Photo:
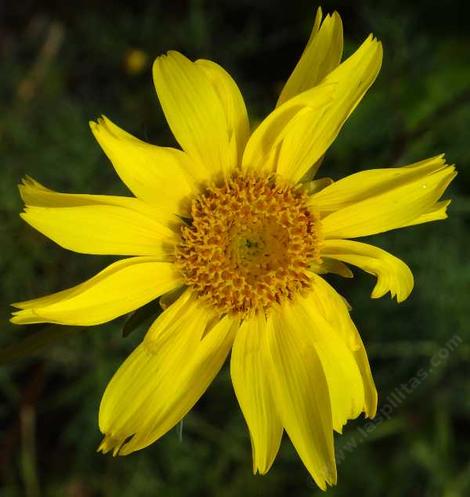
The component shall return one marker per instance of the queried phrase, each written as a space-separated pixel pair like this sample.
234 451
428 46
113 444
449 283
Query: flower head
234 231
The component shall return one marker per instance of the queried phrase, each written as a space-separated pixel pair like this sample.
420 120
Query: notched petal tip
114 445
100 122
104 122
28 181
14 319
30 190
330 478
105 446
24 316
393 275
401 292
373 43
175 53
98 128
100 125
168 56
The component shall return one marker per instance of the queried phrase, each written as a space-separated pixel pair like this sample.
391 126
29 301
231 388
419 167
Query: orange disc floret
249 244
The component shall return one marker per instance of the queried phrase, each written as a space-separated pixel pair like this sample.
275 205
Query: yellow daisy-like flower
234 233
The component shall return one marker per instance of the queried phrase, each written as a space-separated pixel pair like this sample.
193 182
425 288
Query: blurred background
64 63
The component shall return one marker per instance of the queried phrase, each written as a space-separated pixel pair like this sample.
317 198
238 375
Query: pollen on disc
249 244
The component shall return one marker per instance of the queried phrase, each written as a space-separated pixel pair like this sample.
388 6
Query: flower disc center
249 245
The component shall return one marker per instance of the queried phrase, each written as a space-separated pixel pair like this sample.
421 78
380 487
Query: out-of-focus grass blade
179 430
34 342
140 316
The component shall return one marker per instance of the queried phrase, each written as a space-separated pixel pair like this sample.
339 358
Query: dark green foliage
64 63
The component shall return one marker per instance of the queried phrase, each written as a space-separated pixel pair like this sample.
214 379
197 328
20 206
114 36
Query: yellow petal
120 288
102 229
371 183
393 275
321 55
262 150
316 185
332 266
370 392
37 195
232 101
334 310
310 133
333 307
339 365
393 208
301 392
195 113
437 212
164 377
251 378
160 176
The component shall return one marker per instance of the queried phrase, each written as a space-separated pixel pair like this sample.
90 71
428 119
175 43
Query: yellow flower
233 232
